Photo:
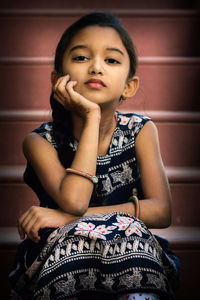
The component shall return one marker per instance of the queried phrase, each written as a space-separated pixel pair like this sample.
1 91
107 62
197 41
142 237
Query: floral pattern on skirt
105 254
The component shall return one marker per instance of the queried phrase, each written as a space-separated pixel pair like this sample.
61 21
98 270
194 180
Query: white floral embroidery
124 120
88 281
66 287
45 294
129 226
89 230
123 176
115 142
129 120
108 282
48 137
157 281
135 192
121 139
107 185
74 145
130 280
125 140
136 119
130 124
48 127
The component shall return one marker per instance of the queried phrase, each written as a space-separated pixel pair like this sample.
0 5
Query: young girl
89 166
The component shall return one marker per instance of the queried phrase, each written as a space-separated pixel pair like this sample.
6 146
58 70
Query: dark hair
62 123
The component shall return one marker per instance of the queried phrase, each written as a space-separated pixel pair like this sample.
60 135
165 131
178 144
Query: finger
70 89
61 92
56 84
20 227
60 85
70 84
27 221
33 231
59 98
63 101
21 232
60 79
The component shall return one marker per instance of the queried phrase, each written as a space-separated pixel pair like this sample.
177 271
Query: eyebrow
115 49
78 47
85 47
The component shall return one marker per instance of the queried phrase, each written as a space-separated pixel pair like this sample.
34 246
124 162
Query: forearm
86 155
125 207
150 212
76 189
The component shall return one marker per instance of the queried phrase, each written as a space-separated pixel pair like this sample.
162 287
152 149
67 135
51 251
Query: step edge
174 234
14 174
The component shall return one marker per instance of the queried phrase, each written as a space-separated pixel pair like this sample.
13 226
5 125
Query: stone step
167 31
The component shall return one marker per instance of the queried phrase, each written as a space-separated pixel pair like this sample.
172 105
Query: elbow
165 217
74 207
165 222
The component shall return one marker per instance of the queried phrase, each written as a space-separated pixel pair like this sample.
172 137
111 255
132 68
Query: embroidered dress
102 255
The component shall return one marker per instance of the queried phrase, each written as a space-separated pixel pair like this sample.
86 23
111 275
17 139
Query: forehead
99 37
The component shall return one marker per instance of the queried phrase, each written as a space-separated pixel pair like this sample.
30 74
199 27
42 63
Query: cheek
74 74
121 83
70 69
78 88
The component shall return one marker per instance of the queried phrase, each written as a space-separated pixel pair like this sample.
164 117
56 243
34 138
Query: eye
80 58
112 61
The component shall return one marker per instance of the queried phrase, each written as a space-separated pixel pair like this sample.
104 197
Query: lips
95 83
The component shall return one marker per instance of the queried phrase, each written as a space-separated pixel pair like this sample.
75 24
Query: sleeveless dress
101 255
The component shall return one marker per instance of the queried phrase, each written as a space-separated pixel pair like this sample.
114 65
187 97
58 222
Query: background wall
166 34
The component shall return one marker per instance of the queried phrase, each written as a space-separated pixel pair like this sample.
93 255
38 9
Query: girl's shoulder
132 122
45 130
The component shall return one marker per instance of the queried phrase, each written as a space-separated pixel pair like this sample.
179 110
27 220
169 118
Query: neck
107 126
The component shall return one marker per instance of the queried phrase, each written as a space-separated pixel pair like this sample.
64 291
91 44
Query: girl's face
97 59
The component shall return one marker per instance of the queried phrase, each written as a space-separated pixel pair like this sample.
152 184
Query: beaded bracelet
92 178
135 200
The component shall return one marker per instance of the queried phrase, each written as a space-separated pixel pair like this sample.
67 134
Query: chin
94 96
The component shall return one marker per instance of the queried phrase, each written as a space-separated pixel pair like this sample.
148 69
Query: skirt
101 255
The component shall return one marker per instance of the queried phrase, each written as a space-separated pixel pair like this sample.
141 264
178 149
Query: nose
95 67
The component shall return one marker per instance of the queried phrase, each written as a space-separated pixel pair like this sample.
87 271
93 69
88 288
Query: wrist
94 114
67 217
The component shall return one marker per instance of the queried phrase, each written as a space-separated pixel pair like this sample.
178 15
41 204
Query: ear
131 87
54 77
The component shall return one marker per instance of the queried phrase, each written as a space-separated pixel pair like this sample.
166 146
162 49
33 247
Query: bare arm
71 192
155 209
